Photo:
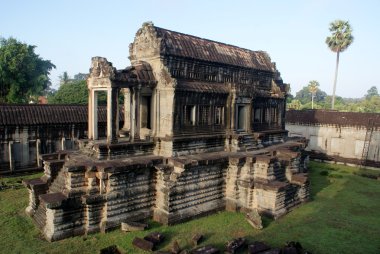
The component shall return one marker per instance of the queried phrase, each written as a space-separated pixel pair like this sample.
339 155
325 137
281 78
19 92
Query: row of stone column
132 123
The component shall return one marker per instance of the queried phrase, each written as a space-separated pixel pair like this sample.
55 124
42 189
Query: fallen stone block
155 238
235 245
196 239
113 249
206 250
257 247
254 219
133 226
143 244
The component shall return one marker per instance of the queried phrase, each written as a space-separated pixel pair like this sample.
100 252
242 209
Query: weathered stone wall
339 135
79 194
185 191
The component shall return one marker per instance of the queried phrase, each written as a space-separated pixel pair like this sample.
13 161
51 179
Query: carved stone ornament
101 68
275 90
146 42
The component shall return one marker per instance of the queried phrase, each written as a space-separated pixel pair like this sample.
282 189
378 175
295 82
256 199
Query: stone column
10 156
127 113
94 115
138 121
90 116
38 151
132 115
63 141
112 115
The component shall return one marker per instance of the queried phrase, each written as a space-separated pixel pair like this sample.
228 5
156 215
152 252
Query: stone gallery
203 132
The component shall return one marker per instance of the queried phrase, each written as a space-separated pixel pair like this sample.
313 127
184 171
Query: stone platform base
81 194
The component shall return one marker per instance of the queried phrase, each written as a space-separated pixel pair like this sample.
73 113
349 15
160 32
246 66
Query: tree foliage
23 73
304 95
370 103
372 92
71 93
341 38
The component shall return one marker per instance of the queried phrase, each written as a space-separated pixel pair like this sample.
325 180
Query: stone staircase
40 216
59 184
248 142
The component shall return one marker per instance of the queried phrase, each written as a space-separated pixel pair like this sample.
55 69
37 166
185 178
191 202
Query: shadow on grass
319 181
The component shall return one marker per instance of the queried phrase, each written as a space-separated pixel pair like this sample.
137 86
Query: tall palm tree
340 39
313 88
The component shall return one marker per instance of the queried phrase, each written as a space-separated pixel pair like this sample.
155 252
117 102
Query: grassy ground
341 217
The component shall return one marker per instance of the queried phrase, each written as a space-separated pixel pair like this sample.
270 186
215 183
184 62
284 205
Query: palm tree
313 88
340 39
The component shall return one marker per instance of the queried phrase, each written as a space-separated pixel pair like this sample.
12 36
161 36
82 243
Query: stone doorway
241 117
146 121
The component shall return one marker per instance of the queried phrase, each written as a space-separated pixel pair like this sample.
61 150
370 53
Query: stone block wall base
231 205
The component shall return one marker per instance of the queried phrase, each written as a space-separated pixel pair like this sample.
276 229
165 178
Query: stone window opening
146 111
241 117
257 115
204 115
218 115
189 114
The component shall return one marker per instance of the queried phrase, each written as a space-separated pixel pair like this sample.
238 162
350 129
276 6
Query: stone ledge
53 200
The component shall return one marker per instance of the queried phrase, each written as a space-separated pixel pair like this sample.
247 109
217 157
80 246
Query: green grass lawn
343 216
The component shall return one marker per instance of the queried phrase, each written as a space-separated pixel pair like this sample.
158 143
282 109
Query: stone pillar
63 141
94 115
112 115
90 116
127 113
132 116
10 156
38 152
138 114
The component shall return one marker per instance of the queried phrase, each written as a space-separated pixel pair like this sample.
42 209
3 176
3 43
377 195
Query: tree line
311 97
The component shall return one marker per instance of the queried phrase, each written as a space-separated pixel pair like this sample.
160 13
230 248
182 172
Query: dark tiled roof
34 114
317 117
139 72
184 45
203 87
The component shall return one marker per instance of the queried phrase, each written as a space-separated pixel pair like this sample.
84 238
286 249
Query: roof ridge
214 41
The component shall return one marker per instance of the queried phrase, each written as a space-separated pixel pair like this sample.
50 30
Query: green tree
295 104
23 73
372 92
71 93
313 89
304 95
64 78
340 39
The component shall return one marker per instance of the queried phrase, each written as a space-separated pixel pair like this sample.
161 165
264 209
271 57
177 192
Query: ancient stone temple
203 131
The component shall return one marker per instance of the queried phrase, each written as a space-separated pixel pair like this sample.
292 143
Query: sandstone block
133 226
254 219
143 244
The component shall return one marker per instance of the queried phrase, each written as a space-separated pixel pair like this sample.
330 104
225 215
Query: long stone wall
338 136
27 131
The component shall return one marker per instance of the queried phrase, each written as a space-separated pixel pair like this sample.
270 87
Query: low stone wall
338 136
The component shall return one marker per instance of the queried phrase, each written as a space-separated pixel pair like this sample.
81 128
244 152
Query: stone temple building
203 131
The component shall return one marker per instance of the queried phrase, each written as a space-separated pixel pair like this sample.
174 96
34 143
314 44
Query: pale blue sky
70 32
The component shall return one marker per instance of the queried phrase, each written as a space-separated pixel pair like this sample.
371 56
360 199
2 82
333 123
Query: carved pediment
146 43
101 68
